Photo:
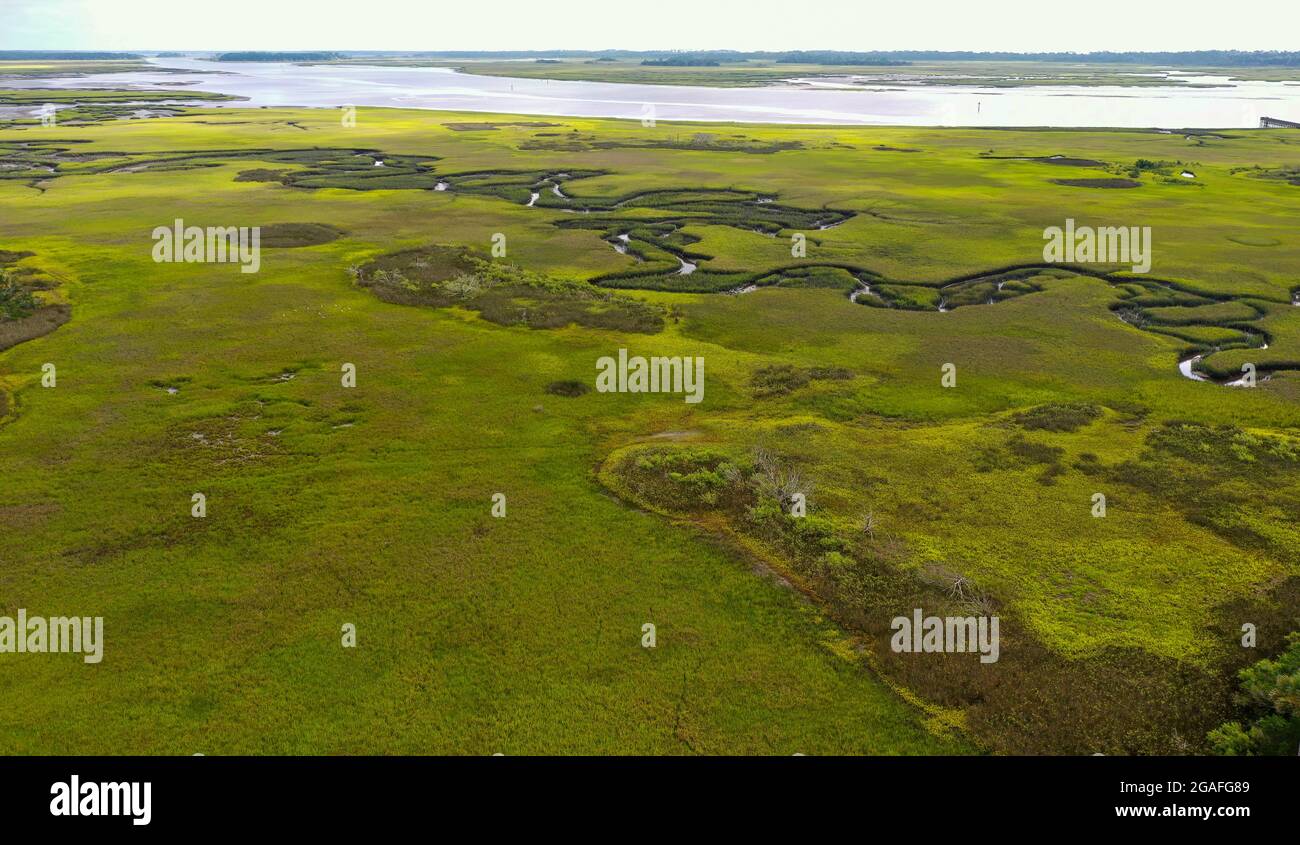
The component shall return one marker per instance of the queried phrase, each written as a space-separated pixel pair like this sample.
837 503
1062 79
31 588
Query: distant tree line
71 55
837 57
1189 58
1185 58
681 61
257 56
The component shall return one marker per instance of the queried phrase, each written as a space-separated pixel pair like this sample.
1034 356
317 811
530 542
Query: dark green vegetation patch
494 125
16 301
23 314
1287 173
1097 183
568 388
781 379
1064 161
443 276
1057 417
290 235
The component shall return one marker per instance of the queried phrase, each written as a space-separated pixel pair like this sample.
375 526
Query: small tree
16 302
1270 697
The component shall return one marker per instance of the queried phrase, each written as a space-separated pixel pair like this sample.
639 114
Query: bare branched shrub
891 548
959 588
777 481
868 521
1133 316
1181 745
981 604
464 286
393 278
937 575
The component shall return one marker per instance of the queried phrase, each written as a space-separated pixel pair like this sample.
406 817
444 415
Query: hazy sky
1022 25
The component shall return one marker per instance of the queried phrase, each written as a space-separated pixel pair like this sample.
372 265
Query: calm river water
826 101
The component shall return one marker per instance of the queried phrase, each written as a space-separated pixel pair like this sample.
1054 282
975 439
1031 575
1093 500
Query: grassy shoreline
757 73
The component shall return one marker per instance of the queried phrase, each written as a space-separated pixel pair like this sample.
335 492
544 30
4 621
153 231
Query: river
822 101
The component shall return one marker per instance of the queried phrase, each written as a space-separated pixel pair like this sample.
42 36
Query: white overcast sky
1020 25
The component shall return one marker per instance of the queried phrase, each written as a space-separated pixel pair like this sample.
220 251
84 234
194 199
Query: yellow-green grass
39 68
371 505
